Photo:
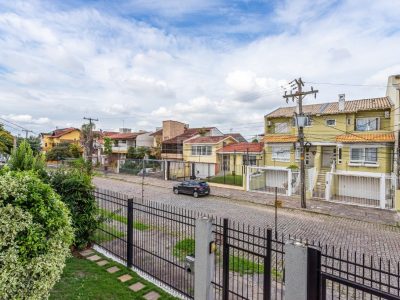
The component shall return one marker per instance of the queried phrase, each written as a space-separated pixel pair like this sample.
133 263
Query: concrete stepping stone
125 277
94 258
151 296
112 269
137 286
86 252
102 262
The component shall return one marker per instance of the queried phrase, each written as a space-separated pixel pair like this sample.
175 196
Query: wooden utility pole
90 137
300 118
26 132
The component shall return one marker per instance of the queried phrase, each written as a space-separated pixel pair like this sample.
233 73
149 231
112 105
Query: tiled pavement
354 228
134 287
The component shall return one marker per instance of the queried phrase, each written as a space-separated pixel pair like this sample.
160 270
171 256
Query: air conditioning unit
387 114
269 123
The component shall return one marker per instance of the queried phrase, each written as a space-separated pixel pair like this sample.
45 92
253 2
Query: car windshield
203 183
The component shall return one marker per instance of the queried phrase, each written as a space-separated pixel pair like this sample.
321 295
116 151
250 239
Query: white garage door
359 187
204 170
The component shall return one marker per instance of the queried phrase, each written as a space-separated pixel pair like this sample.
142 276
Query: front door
328 156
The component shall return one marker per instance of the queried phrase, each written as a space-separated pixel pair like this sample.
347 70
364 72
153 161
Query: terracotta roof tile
280 138
60 132
333 107
365 137
158 132
206 139
123 136
190 132
242 148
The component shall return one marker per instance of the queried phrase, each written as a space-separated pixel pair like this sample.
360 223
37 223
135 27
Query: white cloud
88 61
27 119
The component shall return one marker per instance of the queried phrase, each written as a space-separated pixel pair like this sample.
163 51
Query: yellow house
349 149
66 135
235 157
202 152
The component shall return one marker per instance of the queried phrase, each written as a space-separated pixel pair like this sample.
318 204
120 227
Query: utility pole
90 136
297 86
26 132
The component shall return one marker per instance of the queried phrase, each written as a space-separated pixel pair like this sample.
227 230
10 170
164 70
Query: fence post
129 244
225 262
302 272
313 273
168 172
204 266
295 271
267 267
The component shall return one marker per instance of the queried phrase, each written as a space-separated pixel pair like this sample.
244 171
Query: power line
349 84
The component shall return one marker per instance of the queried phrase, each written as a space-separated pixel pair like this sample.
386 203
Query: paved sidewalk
354 212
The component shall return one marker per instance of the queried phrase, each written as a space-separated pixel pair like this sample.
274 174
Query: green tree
137 152
23 159
33 141
6 141
59 152
254 141
74 150
108 146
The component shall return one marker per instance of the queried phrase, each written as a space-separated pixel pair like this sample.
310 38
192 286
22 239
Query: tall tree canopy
6 141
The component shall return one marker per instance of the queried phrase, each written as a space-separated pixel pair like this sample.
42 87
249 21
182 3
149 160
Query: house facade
202 153
65 135
349 149
235 157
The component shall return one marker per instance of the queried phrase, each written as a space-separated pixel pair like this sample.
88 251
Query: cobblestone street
356 235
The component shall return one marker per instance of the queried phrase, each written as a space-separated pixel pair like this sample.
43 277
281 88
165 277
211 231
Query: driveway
356 235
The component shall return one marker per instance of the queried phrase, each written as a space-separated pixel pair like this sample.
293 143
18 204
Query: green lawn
115 216
83 279
183 248
101 236
229 179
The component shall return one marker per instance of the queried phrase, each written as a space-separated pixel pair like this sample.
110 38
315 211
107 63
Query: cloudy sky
205 62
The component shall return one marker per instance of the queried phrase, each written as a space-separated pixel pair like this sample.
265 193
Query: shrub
35 235
76 191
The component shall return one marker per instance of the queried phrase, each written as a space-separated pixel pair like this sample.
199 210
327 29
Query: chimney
342 100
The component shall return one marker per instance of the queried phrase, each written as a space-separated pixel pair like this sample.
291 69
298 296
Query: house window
348 121
331 122
367 124
281 153
249 160
308 121
339 155
364 155
201 150
281 128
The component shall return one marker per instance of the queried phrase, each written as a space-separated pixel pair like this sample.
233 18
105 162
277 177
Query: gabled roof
190 132
124 136
237 137
280 138
366 137
156 133
350 106
208 139
60 132
242 148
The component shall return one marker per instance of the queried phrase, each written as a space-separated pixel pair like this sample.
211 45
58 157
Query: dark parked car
192 187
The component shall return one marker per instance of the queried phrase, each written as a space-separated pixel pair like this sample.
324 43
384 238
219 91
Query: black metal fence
249 262
143 167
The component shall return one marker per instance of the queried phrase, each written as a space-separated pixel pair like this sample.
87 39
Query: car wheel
196 194
176 192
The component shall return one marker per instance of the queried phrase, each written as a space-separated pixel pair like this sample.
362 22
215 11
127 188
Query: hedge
76 191
35 235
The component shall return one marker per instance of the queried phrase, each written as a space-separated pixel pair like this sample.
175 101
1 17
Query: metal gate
151 237
249 264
